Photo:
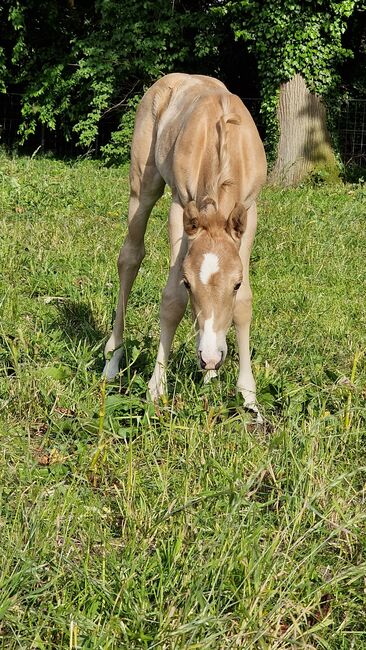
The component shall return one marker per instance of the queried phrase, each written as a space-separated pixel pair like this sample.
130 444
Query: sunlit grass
179 528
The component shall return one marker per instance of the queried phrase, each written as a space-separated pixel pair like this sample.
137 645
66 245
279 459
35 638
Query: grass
179 528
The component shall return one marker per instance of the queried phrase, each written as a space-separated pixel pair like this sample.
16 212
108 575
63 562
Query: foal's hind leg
145 191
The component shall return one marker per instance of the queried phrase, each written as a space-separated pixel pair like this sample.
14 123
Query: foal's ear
236 222
191 219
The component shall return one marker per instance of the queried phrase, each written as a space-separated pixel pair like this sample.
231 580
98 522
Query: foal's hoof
152 395
155 392
111 368
258 422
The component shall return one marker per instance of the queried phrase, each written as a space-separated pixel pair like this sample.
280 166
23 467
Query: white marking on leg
250 402
111 368
209 266
158 382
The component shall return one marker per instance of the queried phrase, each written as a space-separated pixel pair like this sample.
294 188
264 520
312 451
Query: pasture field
180 527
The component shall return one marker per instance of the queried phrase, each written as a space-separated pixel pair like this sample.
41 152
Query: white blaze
212 344
208 343
209 266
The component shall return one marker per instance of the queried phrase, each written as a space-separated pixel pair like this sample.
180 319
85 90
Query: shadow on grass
77 321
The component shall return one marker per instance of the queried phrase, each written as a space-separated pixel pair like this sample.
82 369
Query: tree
304 142
75 61
298 42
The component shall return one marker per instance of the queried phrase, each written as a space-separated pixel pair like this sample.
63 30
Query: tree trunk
304 144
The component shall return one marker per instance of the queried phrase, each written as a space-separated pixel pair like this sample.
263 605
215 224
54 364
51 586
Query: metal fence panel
352 132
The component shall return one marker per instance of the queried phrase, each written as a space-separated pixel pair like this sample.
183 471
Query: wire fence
350 135
352 132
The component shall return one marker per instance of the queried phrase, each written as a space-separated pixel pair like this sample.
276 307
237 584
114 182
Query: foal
194 135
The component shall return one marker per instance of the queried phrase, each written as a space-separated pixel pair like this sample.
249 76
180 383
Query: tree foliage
74 60
292 37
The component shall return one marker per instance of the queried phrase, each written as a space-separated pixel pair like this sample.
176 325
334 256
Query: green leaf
60 373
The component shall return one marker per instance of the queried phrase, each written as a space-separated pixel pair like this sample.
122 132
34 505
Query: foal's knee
243 310
173 304
131 255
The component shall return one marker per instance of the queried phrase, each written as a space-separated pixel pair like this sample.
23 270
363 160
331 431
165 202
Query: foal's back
203 140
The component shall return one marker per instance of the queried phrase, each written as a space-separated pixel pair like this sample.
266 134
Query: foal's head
212 273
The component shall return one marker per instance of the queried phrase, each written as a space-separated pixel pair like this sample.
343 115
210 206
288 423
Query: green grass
180 528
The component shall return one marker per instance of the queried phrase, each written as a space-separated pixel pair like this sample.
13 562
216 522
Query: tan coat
194 135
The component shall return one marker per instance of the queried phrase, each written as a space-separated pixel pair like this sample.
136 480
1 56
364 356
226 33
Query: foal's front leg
246 383
174 300
242 319
142 200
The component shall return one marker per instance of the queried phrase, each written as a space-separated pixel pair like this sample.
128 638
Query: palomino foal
194 135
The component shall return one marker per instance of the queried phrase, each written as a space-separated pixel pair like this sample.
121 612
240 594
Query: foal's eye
237 286
186 284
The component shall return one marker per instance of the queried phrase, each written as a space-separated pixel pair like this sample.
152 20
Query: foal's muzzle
210 364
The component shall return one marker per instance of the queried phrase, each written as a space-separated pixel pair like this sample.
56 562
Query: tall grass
129 527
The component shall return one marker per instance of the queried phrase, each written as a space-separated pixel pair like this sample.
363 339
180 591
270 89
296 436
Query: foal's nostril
209 364
219 363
